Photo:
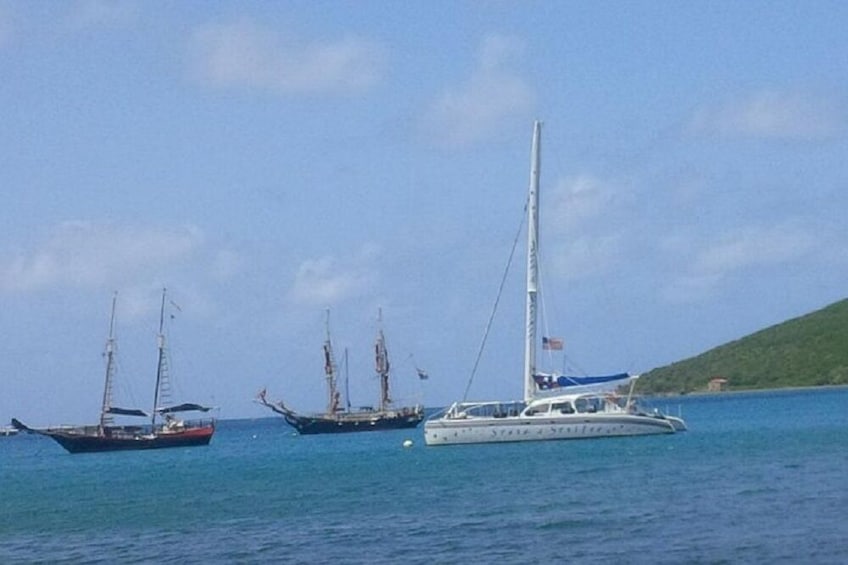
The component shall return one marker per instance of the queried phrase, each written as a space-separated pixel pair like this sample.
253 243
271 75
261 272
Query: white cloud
248 55
225 264
753 246
578 201
735 252
584 239
690 288
585 256
327 280
83 254
492 94
775 115
496 52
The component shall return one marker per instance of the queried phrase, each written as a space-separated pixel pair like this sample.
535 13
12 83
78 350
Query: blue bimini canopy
547 382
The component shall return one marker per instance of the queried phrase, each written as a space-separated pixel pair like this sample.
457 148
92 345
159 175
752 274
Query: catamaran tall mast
105 416
532 265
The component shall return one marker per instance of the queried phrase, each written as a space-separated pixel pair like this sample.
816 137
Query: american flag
552 343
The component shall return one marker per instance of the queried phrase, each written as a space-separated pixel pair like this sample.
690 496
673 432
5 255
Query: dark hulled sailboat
164 429
339 420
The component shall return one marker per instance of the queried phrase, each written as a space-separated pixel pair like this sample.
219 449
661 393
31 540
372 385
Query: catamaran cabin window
564 408
541 409
587 404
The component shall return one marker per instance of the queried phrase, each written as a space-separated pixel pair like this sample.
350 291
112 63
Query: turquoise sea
759 478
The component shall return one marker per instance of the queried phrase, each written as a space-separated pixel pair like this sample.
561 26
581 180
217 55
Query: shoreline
743 391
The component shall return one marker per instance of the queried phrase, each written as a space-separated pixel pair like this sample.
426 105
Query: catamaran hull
308 425
500 430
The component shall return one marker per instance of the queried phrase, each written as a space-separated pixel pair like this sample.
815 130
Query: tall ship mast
330 372
382 363
106 419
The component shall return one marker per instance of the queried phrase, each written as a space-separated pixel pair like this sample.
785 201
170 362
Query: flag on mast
552 343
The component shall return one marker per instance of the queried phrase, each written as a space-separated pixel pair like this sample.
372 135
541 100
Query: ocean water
759 478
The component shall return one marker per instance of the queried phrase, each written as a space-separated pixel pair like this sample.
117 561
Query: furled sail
185 407
126 411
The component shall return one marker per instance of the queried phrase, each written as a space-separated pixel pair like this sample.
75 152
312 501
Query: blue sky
266 161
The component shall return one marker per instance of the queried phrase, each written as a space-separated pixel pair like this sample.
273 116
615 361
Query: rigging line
541 294
566 360
497 301
546 318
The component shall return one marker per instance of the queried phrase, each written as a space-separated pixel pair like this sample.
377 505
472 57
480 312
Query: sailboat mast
330 371
382 363
347 383
160 339
532 264
105 416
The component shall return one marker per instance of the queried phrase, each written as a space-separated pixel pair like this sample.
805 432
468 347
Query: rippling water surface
759 478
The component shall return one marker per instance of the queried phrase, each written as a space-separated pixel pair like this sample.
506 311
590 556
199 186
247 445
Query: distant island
811 350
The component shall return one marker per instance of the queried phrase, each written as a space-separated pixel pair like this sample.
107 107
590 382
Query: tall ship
164 428
554 406
341 419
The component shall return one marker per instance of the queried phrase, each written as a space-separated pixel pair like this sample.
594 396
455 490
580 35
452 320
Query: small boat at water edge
340 420
554 406
164 429
8 431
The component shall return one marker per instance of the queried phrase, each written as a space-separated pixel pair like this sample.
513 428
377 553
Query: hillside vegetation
811 350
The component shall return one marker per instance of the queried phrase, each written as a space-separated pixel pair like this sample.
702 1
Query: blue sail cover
548 382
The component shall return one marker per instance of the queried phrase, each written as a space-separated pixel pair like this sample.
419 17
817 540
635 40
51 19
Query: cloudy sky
267 161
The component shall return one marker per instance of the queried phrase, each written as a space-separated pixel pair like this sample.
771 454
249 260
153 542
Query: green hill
811 350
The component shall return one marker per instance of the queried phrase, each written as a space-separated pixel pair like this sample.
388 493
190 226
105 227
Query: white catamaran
554 406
